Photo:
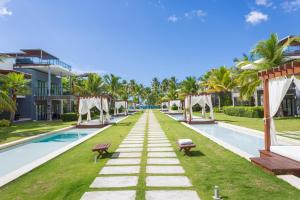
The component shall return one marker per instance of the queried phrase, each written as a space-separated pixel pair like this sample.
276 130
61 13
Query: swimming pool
16 157
246 142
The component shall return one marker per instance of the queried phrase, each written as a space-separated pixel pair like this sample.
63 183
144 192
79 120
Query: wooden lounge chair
101 149
186 148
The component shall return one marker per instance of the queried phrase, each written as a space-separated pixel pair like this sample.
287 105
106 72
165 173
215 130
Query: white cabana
176 103
202 101
278 88
85 104
164 106
121 104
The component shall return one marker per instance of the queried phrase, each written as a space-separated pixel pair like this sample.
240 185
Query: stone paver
172 194
159 145
133 142
160 149
163 161
131 145
114 181
110 195
168 181
157 141
164 170
120 170
161 154
127 155
136 149
124 161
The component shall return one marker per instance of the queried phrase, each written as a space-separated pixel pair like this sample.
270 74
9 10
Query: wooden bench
101 149
186 148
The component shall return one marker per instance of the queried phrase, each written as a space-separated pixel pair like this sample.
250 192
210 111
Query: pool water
249 143
15 157
178 117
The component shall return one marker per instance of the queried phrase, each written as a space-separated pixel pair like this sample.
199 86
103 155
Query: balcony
39 61
55 91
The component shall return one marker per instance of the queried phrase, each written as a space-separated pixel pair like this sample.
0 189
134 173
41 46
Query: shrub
4 123
67 117
174 107
217 110
244 111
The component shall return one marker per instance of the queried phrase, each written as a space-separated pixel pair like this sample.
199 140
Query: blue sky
140 39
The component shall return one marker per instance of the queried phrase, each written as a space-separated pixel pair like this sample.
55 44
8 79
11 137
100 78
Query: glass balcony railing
35 60
43 91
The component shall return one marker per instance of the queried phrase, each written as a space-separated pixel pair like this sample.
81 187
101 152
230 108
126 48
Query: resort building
47 100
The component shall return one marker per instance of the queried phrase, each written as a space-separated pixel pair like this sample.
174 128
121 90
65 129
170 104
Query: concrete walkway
119 178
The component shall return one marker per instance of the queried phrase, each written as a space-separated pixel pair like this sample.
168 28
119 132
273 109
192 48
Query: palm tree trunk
219 99
13 113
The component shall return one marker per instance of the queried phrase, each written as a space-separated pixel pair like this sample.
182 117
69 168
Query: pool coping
29 167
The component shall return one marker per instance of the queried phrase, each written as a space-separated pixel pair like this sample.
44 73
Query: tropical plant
6 103
220 80
112 85
188 86
16 84
172 92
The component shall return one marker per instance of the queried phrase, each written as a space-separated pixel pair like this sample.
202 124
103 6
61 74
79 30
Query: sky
142 39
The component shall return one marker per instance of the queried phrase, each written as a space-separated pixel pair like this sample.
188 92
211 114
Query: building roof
284 40
39 53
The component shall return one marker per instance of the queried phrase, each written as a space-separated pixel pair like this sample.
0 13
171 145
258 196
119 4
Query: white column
49 81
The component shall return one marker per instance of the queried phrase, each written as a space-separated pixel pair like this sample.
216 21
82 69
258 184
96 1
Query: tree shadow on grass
196 153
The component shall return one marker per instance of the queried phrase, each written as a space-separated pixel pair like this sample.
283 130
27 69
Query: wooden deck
276 164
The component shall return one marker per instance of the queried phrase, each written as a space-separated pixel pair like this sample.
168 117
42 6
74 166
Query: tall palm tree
92 85
189 86
173 88
6 103
16 84
124 90
112 84
155 88
220 80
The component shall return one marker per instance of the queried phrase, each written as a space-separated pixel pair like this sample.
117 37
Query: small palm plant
16 84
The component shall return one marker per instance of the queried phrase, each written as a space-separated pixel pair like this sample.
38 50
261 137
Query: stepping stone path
124 169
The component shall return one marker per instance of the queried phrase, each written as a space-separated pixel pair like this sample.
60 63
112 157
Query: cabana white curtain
164 104
86 104
202 100
119 104
278 88
175 102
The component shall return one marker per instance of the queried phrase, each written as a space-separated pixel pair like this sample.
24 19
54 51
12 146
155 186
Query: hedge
67 117
4 123
244 111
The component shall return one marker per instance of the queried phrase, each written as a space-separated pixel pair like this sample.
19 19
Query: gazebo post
190 102
101 111
266 115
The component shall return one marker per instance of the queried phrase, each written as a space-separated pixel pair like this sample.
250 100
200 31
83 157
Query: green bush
4 123
244 111
217 110
67 117
174 107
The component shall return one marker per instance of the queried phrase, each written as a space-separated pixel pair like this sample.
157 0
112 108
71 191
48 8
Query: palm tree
93 85
16 84
155 88
112 84
172 89
220 80
6 103
188 86
124 90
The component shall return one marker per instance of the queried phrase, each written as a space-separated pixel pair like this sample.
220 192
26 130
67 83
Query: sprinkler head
216 193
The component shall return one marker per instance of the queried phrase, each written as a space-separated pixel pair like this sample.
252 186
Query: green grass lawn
212 165
27 129
69 175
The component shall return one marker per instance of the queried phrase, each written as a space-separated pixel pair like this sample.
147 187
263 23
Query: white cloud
291 5
172 19
4 11
266 3
256 17
195 13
